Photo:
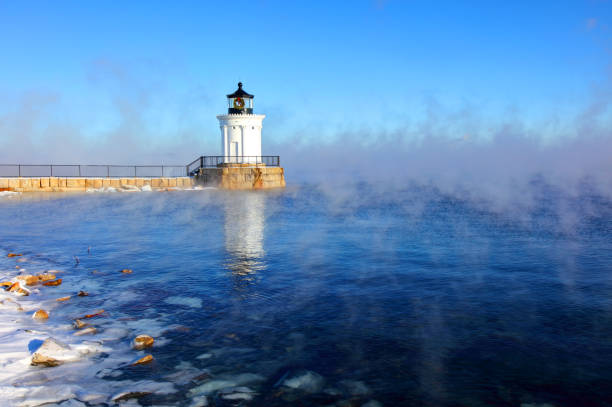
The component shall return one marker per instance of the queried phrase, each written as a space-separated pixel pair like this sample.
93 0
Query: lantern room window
240 102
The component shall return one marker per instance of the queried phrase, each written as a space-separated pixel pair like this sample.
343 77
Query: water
401 297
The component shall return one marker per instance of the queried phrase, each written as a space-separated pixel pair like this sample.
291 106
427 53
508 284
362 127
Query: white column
225 145
242 142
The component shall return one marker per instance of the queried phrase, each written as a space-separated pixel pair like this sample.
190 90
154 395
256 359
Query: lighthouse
241 130
240 165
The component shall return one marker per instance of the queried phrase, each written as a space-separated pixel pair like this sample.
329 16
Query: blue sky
317 69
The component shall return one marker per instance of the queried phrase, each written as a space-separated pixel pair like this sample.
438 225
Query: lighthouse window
234 127
253 128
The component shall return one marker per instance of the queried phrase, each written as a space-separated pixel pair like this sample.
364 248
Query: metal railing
92 171
215 161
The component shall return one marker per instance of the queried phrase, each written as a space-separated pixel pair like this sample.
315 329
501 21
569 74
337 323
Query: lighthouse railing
216 161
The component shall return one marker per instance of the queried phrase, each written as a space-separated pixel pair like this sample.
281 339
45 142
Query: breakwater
82 184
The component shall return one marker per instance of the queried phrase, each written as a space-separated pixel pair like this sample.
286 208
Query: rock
83 294
18 289
46 277
14 287
53 353
28 279
143 360
41 314
95 314
14 255
53 283
130 395
63 298
143 341
307 381
126 271
78 324
6 284
86 331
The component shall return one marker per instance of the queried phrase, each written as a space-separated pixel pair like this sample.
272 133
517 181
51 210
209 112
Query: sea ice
186 301
307 381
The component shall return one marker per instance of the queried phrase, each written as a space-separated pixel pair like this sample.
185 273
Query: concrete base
241 177
55 184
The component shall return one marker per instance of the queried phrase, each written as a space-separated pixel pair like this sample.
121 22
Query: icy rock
48 276
53 283
53 353
34 379
354 387
72 403
247 378
372 403
237 393
28 279
86 331
39 395
129 395
142 342
307 381
199 401
8 303
143 360
41 314
211 386
78 324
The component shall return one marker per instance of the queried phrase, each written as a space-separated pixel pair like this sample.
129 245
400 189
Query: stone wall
55 184
242 177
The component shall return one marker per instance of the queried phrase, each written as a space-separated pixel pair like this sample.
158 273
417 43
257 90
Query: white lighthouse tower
241 130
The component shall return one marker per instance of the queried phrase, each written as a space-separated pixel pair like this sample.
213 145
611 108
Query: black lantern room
240 102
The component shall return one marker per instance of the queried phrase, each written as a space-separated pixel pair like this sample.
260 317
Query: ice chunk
307 381
186 301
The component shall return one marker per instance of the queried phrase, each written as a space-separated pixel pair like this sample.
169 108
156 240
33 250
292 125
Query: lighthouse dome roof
240 93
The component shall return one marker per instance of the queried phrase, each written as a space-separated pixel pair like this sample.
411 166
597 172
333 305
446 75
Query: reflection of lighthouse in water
244 235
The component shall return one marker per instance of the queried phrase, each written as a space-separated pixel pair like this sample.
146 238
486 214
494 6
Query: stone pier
58 184
242 177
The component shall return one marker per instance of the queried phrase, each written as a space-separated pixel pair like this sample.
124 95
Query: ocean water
314 296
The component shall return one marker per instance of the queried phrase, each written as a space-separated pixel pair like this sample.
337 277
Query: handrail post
107 171
79 170
51 169
19 170
134 171
201 161
162 171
